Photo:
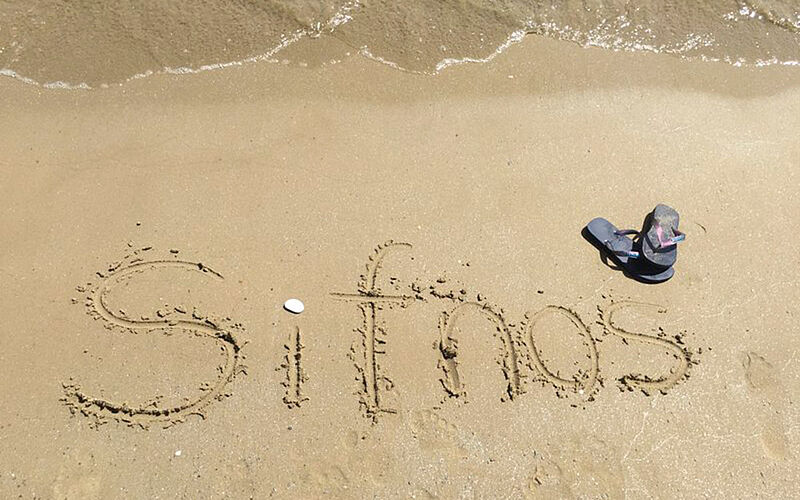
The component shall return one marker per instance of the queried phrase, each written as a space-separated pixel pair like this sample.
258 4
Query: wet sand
460 338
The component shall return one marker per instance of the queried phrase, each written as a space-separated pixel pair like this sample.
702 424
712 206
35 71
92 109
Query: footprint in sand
764 382
76 479
327 479
436 435
577 468
547 480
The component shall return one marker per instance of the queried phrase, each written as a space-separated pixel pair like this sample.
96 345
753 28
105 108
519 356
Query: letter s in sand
642 382
97 301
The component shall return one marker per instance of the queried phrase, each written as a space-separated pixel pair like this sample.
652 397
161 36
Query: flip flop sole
616 245
669 219
655 278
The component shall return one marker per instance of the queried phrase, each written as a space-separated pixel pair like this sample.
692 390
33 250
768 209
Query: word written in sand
519 357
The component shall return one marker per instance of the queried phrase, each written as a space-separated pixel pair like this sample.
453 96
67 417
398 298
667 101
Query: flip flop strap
630 253
668 242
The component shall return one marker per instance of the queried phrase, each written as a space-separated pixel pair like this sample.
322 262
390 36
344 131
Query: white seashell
294 306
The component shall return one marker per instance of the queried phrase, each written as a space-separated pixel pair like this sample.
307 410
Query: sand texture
460 338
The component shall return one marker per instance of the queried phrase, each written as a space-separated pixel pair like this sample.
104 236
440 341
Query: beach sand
460 338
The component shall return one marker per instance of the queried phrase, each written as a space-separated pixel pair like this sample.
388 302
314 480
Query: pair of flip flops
651 253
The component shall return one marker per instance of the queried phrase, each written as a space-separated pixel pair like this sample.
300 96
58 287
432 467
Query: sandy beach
460 338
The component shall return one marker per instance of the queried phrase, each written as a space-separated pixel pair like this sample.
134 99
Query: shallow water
88 43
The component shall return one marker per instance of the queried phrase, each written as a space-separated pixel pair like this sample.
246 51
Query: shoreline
536 58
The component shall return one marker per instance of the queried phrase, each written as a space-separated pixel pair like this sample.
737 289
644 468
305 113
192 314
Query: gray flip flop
624 252
661 236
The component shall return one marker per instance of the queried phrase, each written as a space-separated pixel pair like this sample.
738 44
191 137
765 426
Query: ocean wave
87 43
783 13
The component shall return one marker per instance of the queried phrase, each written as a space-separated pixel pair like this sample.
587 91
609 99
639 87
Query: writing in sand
519 357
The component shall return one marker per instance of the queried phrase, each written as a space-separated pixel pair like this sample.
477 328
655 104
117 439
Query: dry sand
460 338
